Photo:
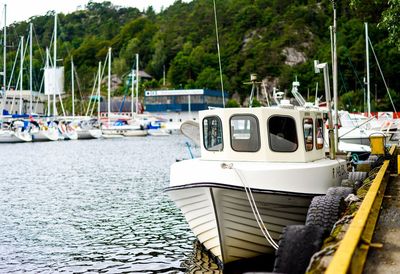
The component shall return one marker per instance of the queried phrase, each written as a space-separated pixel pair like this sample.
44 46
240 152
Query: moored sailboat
14 132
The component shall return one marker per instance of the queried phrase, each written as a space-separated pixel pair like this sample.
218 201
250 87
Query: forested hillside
277 39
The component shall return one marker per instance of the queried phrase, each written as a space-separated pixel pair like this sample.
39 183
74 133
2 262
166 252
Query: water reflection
201 261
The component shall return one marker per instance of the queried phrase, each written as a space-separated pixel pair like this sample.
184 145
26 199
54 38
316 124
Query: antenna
253 82
299 98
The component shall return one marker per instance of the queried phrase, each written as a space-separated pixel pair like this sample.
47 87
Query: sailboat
117 127
14 132
47 130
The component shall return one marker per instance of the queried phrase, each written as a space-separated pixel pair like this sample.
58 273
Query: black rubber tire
297 244
341 191
357 176
324 211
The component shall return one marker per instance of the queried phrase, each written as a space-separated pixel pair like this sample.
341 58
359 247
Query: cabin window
282 134
319 133
212 133
308 128
245 135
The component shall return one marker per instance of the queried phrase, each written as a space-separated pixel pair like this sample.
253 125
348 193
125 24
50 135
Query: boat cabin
274 134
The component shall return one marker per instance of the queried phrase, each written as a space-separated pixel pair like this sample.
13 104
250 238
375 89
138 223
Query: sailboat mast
98 92
21 74
368 80
219 55
133 90
55 64
137 83
5 54
30 67
48 94
109 86
72 87
3 102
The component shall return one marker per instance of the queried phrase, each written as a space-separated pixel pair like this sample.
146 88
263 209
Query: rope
253 206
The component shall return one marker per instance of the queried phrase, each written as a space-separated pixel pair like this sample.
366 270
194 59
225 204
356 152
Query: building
179 105
12 102
118 106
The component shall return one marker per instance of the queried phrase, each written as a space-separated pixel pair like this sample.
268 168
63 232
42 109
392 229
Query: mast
21 74
4 58
132 93
368 80
72 87
47 66
109 86
98 92
55 65
324 66
334 75
219 55
137 83
30 67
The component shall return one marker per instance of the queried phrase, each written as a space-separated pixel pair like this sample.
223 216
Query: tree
232 103
391 21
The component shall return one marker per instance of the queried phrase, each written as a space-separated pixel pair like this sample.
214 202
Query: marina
132 141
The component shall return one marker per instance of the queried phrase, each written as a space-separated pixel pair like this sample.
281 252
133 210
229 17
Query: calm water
92 206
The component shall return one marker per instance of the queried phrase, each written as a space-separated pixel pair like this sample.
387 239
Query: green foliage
256 103
232 103
255 37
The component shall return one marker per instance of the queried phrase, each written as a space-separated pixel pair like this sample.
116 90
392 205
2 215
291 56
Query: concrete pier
385 259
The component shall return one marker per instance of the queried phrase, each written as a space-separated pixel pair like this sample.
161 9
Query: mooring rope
253 206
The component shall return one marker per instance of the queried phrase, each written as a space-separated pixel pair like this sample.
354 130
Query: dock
366 239
385 258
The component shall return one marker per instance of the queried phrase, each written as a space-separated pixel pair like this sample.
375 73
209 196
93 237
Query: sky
21 10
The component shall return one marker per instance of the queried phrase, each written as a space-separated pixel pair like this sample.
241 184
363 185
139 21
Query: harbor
218 138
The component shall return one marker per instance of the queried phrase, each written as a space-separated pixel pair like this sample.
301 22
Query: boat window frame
308 149
217 149
257 123
269 134
319 146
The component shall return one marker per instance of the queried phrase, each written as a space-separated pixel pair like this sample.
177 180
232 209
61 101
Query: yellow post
377 144
398 164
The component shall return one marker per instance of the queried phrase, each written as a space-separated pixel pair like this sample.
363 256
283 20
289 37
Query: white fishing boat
258 167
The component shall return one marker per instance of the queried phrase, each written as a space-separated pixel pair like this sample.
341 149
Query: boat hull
89 133
133 133
223 221
212 197
7 136
46 135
